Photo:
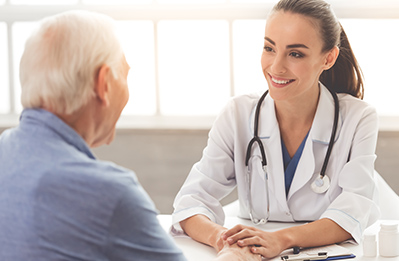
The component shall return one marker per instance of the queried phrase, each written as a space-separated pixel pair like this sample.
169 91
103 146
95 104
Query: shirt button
288 213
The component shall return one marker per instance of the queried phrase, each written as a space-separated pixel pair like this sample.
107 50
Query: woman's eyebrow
270 40
290 46
297 46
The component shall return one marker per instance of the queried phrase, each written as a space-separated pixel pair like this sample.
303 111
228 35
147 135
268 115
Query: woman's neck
295 118
298 111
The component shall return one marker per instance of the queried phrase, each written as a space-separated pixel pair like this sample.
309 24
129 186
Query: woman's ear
331 58
101 87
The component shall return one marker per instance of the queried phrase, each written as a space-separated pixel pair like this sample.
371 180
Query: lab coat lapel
324 118
305 168
269 133
319 133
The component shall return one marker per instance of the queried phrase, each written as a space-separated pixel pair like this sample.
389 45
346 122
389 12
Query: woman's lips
280 82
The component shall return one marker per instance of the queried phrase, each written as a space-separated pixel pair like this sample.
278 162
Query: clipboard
330 252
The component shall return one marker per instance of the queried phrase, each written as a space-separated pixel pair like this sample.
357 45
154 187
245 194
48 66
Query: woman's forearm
271 244
317 233
203 230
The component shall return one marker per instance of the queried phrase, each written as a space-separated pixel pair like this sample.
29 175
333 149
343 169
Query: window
137 39
188 57
4 89
191 1
374 45
253 1
194 66
114 2
43 2
248 48
20 33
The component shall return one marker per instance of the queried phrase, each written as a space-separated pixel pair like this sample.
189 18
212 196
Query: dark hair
345 76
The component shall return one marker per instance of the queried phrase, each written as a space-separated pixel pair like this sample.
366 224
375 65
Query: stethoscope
320 185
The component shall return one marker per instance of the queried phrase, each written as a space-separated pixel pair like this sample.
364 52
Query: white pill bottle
388 239
370 245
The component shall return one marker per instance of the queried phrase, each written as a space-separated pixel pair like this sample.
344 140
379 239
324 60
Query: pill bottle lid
389 226
369 237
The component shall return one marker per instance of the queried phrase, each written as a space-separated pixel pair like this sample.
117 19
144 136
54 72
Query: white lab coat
351 198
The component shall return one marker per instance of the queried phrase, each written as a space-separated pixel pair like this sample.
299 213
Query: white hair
62 58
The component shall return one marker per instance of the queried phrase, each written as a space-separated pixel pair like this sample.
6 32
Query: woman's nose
278 65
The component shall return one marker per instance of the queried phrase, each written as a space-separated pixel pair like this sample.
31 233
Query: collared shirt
58 202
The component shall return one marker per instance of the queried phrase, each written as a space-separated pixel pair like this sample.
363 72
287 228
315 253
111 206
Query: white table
195 251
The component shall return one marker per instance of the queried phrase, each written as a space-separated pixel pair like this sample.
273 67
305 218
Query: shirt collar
322 123
45 120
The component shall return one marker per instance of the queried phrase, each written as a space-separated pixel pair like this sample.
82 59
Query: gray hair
62 58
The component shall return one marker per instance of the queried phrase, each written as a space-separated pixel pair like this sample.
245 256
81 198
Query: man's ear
331 58
102 85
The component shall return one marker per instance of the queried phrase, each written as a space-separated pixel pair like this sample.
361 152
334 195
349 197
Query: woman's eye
268 49
296 55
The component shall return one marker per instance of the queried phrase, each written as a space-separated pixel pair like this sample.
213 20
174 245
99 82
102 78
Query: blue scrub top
290 164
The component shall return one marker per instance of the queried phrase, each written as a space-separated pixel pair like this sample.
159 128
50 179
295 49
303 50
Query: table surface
196 251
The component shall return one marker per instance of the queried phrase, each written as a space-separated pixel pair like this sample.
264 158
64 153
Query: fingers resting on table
257 241
234 252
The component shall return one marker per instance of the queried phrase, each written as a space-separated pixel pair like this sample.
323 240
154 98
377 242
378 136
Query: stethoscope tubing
333 133
256 139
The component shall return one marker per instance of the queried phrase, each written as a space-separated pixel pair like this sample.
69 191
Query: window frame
366 9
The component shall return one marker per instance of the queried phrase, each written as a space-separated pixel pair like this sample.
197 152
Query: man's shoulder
93 174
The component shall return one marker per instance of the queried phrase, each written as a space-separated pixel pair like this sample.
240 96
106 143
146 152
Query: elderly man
57 201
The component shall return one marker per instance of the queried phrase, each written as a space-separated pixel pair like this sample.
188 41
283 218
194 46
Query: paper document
330 252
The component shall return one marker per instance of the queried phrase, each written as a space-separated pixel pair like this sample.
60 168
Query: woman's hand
267 244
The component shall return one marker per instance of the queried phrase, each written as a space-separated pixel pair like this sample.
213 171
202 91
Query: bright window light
253 1
20 33
116 2
137 39
43 2
374 43
191 1
4 85
194 75
2 2
247 51
138 43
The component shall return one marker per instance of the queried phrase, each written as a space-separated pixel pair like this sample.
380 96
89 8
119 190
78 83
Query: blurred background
188 57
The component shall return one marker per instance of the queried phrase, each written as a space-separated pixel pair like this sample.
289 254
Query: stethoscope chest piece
321 184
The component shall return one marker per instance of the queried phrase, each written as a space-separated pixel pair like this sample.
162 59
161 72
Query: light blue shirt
58 202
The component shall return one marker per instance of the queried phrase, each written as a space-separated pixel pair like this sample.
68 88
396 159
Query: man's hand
236 253
267 244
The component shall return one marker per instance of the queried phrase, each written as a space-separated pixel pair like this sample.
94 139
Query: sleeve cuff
183 214
346 221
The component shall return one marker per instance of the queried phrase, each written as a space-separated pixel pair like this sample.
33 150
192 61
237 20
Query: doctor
299 124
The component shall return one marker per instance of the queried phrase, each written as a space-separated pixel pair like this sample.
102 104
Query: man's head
72 62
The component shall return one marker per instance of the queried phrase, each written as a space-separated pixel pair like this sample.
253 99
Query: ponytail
345 76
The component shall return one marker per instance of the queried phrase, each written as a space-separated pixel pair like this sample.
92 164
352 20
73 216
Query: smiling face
292 59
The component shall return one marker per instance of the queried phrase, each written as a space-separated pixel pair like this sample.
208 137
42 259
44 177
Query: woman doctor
306 53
